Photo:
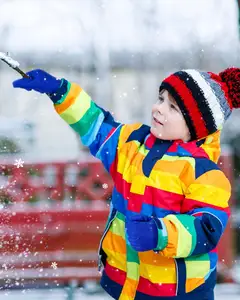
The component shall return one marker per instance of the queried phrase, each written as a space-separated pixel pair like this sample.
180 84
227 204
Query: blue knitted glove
39 81
142 233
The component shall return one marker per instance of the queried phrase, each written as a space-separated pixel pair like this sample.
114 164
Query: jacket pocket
197 270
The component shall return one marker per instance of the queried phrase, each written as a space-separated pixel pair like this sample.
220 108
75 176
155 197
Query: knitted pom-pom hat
205 99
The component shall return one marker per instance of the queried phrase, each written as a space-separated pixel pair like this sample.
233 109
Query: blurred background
54 195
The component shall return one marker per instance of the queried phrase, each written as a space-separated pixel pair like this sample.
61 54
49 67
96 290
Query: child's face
167 120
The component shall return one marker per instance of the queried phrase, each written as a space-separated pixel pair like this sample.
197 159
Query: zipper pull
100 265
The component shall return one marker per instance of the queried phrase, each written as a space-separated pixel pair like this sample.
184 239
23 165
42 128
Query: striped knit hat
205 99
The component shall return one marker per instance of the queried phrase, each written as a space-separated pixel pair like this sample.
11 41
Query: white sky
72 26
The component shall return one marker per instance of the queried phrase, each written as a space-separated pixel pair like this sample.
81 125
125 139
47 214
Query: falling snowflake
54 265
105 186
19 163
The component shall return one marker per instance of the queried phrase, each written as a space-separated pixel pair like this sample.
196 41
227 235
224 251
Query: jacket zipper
176 275
103 236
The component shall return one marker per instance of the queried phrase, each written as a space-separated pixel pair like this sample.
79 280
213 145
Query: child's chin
156 133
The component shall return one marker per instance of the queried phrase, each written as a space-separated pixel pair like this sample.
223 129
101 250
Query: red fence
52 222
49 245
54 218
54 181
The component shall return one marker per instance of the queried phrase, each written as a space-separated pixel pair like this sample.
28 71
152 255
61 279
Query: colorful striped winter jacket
179 183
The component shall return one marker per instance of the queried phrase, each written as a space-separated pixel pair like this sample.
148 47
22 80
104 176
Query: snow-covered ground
223 292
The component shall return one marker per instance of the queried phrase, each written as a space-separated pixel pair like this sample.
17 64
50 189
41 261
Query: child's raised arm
96 127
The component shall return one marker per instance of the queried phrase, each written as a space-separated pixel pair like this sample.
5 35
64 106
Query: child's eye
174 107
160 99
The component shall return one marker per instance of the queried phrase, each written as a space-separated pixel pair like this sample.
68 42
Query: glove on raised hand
142 233
39 81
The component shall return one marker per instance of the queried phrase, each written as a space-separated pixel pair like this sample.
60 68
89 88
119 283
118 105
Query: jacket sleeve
96 127
205 211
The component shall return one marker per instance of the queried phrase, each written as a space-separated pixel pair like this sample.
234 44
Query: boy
170 199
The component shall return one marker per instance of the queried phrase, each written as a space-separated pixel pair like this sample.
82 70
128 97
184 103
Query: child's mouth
157 121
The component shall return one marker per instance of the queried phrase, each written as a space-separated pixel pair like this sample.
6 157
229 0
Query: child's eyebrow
172 101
